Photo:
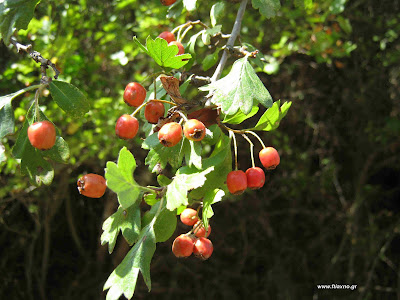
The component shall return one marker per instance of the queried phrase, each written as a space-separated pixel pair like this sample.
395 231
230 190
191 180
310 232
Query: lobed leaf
239 117
238 89
122 280
186 179
159 156
163 54
125 220
120 179
165 223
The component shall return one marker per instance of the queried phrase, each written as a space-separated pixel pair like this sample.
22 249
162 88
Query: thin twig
37 57
231 40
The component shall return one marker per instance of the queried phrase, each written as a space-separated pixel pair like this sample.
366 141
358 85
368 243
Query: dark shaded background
328 214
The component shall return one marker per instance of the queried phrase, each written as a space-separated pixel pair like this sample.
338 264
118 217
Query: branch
37 57
231 41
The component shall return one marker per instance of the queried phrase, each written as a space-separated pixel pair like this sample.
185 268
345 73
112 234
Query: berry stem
232 136
184 33
251 149
182 115
256 135
138 109
190 23
155 88
164 101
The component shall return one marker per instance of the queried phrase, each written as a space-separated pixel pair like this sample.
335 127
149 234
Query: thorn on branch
38 58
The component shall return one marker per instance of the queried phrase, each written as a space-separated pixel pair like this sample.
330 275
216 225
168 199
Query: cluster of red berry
254 178
169 134
196 240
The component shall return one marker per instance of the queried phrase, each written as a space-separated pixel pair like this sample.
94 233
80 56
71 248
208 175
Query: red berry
92 185
126 127
153 111
200 230
269 158
181 49
134 94
194 130
255 178
168 36
170 134
236 182
203 248
167 2
183 246
189 216
42 135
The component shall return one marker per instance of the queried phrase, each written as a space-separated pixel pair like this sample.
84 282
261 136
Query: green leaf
268 8
217 11
7 113
221 160
193 153
120 179
59 152
122 280
239 117
6 120
271 118
125 220
163 54
211 197
69 98
186 179
238 89
15 14
159 156
165 223
210 60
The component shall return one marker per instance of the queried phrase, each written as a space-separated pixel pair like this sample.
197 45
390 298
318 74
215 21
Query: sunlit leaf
69 98
239 89
125 220
15 14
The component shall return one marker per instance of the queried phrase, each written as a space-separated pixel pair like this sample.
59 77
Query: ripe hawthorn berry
153 111
200 230
170 134
167 2
183 246
126 127
255 178
134 94
92 185
42 135
168 36
269 158
203 248
189 216
236 182
181 49
194 130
